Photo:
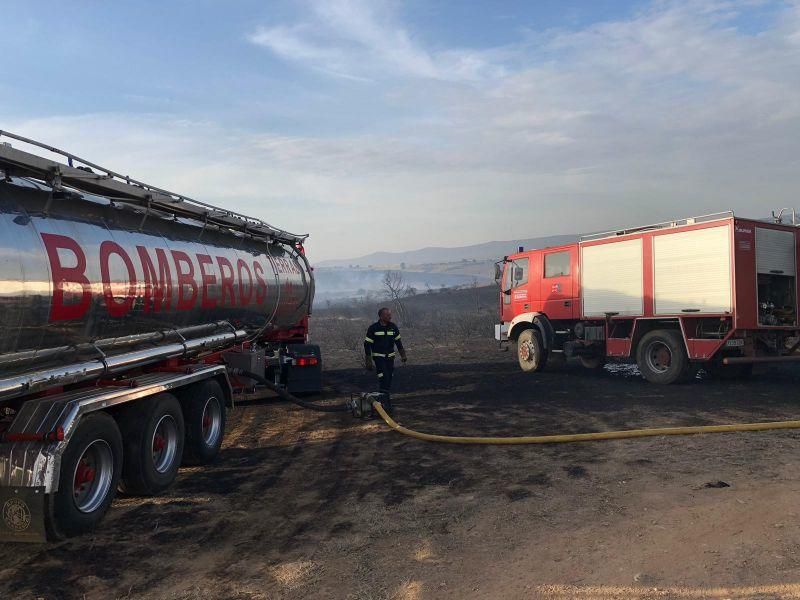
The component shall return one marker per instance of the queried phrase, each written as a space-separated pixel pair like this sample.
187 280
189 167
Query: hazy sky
388 125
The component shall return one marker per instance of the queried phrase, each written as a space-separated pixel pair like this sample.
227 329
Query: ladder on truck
83 175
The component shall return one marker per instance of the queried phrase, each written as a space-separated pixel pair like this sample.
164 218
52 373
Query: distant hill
480 252
451 300
334 283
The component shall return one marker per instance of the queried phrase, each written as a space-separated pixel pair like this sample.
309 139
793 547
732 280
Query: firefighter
379 344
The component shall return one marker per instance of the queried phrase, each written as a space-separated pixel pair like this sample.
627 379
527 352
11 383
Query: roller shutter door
692 271
775 251
611 278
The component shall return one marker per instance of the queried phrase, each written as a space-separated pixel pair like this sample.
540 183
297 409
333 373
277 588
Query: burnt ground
311 505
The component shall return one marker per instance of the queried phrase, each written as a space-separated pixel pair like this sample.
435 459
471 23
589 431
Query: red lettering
157 286
67 277
115 307
261 290
226 280
242 266
185 278
206 279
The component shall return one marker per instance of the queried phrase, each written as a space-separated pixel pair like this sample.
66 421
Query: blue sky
388 125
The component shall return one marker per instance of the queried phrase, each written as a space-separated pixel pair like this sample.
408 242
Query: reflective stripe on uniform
384 355
368 340
379 333
390 332
380 375
397 338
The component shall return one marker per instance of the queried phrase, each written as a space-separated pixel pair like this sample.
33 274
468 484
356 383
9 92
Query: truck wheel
530 351
204 416
153 436
661 357
90 471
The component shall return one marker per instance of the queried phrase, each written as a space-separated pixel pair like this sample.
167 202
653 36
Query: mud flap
22 514
305 379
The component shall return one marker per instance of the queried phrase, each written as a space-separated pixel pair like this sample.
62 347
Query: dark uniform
379 346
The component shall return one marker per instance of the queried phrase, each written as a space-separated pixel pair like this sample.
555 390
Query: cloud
676 110
679 109
362 39
334 188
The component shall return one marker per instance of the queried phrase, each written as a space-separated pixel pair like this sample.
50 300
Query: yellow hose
566 438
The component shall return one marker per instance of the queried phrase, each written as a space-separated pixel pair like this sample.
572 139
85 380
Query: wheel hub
159 442
84 474
659 357
663 357
165 444
525 351
91 481
212 421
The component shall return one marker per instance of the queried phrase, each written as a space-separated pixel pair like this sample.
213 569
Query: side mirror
498 272
518 273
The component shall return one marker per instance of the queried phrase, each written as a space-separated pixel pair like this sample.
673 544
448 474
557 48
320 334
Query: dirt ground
311 505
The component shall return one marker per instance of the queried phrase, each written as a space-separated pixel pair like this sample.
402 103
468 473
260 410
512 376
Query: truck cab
542 281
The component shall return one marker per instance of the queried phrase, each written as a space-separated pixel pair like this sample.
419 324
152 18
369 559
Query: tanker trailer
123 309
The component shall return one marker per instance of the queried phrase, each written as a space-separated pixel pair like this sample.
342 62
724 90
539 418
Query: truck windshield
515 273
505 286
521 272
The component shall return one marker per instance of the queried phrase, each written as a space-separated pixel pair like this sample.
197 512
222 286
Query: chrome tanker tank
84 274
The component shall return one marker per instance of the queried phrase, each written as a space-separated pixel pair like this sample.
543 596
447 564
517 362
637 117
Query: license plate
735 342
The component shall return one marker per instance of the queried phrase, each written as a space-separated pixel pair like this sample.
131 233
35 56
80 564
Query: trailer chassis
32 446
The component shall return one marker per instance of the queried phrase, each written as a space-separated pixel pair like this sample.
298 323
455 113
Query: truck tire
153 436
530 351
204 419
661 357
90 471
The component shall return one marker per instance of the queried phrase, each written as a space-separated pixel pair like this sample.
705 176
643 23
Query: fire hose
566 438
563 438
286 395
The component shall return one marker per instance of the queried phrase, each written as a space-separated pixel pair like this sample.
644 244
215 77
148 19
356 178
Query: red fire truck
717 291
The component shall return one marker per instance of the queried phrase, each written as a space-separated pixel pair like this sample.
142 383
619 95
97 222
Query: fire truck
716 291
130 316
